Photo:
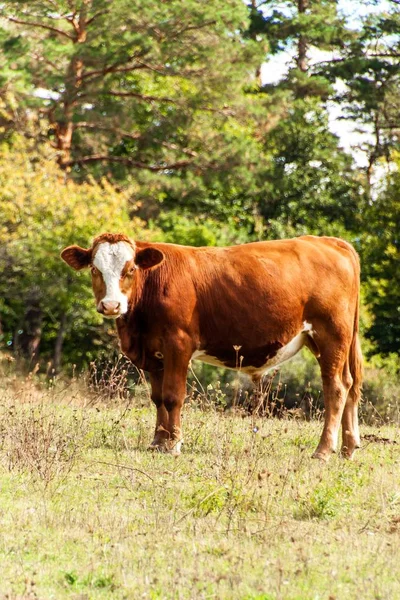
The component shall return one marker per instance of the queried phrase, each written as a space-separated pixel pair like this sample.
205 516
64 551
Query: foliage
195 230
381 254
304 25
370 69
127 85
311 185
41 213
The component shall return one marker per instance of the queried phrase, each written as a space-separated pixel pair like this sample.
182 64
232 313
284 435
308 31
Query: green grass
86 512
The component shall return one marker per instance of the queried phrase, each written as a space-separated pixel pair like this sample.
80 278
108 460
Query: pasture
87 513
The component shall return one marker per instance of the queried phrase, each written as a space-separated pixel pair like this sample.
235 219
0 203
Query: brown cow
174 303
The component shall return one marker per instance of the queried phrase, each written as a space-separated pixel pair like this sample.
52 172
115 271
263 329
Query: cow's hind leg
350 431
337 381
161 434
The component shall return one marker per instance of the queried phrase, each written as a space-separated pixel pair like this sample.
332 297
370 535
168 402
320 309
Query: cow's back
274 279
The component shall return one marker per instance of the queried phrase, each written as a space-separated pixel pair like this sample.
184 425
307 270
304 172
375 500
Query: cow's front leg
161 434
176 364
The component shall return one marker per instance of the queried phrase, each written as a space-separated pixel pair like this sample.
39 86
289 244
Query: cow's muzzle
109 308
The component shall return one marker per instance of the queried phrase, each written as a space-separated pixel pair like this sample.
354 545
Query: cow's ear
149 257
76 257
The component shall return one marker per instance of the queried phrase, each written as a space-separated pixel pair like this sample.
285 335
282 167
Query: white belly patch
282 355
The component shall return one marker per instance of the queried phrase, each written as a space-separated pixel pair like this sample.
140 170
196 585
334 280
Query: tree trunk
64 126
302 44
254 37
28 340
57 356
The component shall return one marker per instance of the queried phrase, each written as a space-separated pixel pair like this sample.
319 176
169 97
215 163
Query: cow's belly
258 362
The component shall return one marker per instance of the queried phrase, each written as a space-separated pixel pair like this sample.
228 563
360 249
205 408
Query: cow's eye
129 272
94 271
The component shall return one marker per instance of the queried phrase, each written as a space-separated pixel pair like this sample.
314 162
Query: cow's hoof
350 444
157 446
347 453
322 456
175 447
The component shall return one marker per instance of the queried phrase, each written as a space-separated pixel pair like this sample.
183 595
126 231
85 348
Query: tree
369 67
128 85
311 185
300 26
40 213
307 182
381 260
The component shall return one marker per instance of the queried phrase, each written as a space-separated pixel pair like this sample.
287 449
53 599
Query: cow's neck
130 332
133 327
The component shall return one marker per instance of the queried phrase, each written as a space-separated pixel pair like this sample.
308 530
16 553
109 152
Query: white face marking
283 354
110 260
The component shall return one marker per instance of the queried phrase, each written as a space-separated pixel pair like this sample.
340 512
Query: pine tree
127 85
301 26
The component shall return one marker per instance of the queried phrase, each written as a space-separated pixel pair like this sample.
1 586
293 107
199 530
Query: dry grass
86 512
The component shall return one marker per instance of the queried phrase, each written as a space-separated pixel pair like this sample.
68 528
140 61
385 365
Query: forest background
159 119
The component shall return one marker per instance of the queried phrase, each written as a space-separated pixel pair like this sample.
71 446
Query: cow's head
113 260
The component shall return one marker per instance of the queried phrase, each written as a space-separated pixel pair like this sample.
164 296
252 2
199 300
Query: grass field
86 512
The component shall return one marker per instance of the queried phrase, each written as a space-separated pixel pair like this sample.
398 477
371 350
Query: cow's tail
355 355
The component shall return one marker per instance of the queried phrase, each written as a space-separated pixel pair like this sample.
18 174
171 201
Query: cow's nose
110 307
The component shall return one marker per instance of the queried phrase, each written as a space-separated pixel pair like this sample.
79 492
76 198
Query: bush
41 212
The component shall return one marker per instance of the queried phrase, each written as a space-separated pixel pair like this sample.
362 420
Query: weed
112 381
39 439
321 504
71 578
